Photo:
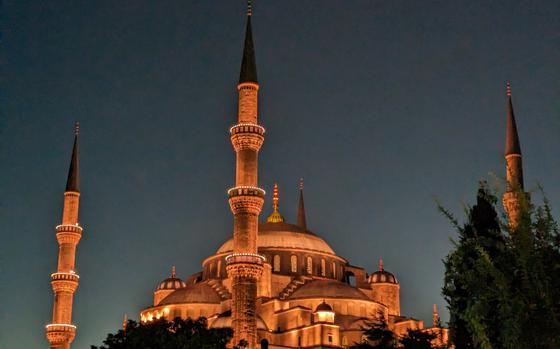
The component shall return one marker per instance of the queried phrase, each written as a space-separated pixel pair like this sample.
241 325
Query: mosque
276 284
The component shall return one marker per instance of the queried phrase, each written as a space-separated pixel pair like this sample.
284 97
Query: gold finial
249 8
173 271
301 183
275 217
508 89
380 264
77 128
275 198
435 316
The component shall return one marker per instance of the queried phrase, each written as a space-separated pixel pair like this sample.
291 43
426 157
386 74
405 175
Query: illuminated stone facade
277 284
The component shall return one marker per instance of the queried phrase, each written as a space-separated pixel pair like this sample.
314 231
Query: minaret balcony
247 136
246 199
67 233
245 265
60 333
64 282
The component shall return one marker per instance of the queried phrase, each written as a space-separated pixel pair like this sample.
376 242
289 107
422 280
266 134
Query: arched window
276 263
323 267
219 269
309 265
333 267
299 341
344 342
293 263
211 271
264 344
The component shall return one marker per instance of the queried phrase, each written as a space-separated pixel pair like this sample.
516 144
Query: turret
386 289
514 166
61 332
167 286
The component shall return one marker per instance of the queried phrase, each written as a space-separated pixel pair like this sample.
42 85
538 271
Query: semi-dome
328 289
171 283
284 236
382 276
194 293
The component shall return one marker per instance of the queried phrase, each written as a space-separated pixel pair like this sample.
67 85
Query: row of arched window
215 269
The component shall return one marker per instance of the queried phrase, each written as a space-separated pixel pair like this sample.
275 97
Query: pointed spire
249 63
275 216
124 322
380 264
435 316
73 182
301 220
173 272
512 138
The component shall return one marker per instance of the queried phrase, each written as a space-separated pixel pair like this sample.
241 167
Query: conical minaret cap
73 182
512 138
249 63
301 219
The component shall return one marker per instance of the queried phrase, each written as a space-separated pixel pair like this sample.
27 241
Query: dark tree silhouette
162 334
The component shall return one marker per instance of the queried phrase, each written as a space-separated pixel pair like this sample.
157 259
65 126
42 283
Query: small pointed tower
61 332
435 317
245 266
514 167
301 220
275 216
385 289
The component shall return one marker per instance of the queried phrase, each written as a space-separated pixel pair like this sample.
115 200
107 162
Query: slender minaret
514 166
245 265
301 221
61 332
435 317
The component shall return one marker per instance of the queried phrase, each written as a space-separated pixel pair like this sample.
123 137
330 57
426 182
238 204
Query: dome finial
173 271
380 264
275 217
508 89
77 128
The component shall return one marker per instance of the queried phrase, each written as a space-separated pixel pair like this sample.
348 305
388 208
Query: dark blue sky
382 106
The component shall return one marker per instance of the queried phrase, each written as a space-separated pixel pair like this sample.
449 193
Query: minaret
61 332
514 167
245 265
301 221
435 317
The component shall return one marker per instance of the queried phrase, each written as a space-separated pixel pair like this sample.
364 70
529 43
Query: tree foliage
163 334
502 285
378 335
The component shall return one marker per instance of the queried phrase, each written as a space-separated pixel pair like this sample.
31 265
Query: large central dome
284 236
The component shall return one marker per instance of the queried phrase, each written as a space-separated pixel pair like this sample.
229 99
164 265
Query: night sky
384 107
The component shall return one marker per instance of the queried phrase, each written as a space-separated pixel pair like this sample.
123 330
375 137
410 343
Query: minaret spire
435 316
301 220
248 63
514 165
380 264
61 332
73 182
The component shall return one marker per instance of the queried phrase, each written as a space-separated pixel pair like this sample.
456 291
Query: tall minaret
245 265
61 332
514 167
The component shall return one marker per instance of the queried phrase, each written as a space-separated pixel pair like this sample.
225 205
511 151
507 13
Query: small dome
171 283
195 293
323 307
328 289
382 276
